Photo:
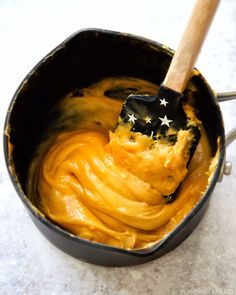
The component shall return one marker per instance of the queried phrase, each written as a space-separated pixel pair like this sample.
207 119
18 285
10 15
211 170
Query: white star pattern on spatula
163 102
165 121
132 118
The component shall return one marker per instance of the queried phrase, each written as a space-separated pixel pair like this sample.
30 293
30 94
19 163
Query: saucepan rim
50 224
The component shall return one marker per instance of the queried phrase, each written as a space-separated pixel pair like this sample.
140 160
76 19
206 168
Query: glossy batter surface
108 186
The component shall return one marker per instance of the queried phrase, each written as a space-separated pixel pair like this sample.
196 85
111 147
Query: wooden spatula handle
185 57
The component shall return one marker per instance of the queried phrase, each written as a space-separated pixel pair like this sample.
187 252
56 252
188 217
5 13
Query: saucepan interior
84 58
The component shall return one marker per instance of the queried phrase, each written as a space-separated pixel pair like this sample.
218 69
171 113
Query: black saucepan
86 57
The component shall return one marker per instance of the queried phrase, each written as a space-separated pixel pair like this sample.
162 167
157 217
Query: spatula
155 115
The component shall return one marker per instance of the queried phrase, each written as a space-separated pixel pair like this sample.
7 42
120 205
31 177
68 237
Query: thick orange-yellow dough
108 186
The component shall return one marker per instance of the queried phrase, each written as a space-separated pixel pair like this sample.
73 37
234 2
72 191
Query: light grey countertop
206 262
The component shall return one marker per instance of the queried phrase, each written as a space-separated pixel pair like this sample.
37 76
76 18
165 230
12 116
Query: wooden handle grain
186 55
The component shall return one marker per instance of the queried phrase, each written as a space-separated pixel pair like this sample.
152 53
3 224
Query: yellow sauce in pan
108 186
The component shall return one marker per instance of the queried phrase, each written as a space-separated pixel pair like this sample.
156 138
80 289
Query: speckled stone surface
206 262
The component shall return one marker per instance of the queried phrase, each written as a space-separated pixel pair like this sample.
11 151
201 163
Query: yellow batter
108 186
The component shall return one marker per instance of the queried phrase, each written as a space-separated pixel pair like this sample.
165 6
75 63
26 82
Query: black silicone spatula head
152 115
156 115
160 117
